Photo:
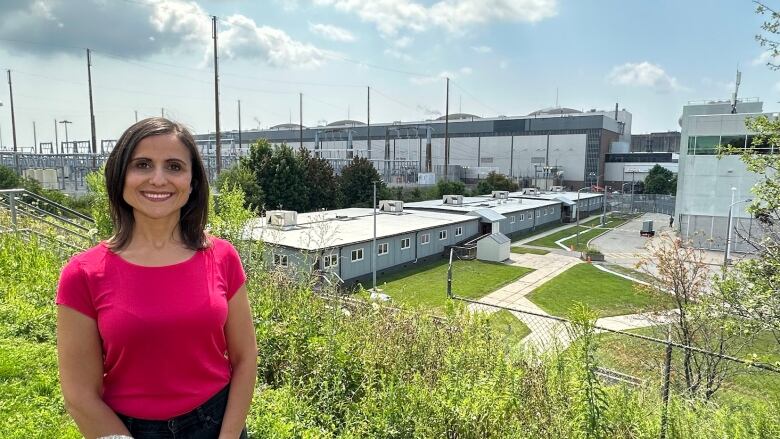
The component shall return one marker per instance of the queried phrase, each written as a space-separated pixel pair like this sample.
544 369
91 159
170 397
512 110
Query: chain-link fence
641 203
730 368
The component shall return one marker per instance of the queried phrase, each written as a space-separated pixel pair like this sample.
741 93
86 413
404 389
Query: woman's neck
155 233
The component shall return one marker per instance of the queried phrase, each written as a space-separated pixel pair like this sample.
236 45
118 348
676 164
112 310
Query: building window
405 243
280 260
442 234
538 214
458 231
512 219
522 217
426 238
357 255
382 249
330 261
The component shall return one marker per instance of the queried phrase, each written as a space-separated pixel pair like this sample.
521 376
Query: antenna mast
736 91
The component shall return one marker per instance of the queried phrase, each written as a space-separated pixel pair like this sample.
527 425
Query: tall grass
331 370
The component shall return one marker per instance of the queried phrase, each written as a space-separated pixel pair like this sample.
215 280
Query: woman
154 333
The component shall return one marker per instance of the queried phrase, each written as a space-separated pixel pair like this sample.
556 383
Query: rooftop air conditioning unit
531 191
391 206
282 219
501 195
556 189
453 200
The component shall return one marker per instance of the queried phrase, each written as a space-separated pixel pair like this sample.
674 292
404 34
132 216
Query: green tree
8 178
496 182
356 183
320 180
243 177
284 182
660 180
444 187
98 195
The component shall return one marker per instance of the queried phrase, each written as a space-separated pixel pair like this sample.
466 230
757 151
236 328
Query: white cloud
643 74
482 49
331 32
425 80
244 38
393 16
141 29
465 71
764 58
403 42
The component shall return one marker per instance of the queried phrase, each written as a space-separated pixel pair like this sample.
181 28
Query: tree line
284 178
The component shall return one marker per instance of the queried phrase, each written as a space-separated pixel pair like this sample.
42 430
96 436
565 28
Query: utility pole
13 123
35 140
216 94
300 118
239 124
91 106
447 134
162 111
136 115
368 121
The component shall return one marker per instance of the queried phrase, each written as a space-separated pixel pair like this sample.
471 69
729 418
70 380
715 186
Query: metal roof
489 215
337 228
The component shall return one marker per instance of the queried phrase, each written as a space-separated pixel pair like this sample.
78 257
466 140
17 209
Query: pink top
162 328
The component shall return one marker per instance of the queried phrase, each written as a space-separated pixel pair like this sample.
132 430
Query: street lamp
1 130
727 253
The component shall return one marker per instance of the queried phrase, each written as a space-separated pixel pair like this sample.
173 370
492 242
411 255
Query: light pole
622 193
1 130
604 206
578 214
727 253
373 244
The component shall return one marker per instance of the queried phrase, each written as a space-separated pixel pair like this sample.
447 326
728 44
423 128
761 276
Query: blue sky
504 57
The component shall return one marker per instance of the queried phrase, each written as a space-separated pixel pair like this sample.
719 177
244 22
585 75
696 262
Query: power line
475 99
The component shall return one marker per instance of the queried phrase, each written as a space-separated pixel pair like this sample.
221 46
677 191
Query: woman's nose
158 177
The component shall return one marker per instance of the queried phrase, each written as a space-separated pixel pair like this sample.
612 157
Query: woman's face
158 178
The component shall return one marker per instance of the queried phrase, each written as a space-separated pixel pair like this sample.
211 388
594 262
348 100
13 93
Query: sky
503 57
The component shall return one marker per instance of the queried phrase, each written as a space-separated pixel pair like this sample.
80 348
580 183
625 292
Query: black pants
202 423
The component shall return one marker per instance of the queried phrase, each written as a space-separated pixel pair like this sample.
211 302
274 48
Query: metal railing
30 214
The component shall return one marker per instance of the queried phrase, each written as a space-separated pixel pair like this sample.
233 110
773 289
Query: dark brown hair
194 213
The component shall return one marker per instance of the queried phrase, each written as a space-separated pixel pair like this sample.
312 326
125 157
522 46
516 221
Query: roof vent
556 189
282 219
500 195
531 191
453 200
391 206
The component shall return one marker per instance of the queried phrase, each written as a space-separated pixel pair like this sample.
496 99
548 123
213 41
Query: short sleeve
234 270
73 291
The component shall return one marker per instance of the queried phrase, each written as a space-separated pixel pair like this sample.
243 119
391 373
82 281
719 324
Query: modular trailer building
587 202
515 216
340 241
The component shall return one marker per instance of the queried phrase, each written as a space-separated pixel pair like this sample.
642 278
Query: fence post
449 275
665 391
12 207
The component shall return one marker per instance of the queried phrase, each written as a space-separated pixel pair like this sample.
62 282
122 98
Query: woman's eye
175 167
142 165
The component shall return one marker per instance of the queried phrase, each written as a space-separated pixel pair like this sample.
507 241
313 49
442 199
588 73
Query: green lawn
525 250
508 326
426 286
586 233
644 360
605 293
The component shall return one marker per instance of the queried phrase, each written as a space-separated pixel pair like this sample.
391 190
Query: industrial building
668 141
708 184
550 147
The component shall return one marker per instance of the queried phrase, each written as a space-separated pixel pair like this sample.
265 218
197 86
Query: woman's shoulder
90 258
220 246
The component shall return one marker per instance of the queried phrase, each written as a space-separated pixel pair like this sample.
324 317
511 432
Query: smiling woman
154 332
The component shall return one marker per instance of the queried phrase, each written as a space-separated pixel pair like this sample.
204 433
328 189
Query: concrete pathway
547 333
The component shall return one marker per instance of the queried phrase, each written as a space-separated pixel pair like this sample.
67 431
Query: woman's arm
242 351
81 374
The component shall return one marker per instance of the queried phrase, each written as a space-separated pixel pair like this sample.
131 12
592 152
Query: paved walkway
548 333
